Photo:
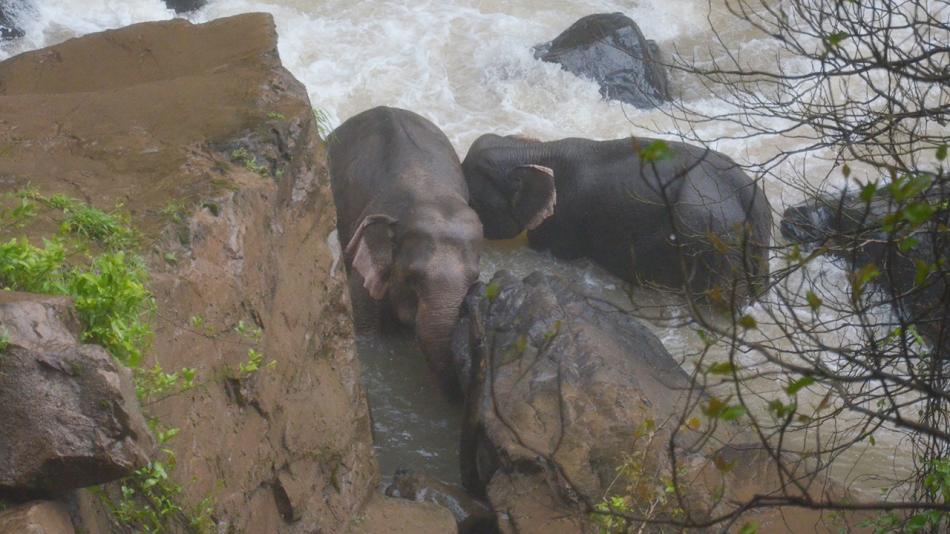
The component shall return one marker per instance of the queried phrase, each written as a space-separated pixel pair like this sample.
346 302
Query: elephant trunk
434 327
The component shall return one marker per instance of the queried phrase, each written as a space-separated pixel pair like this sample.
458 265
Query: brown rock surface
386 515
37 517
473 516
69 414
211 146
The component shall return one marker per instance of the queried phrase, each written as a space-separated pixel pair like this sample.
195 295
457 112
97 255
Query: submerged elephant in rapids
410 238
687 217
854 229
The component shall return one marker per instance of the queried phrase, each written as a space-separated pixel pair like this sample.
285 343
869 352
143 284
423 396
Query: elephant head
422 266
508 197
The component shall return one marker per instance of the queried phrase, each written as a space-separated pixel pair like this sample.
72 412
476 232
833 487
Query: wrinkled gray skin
410 239
613 207
610 49
851 229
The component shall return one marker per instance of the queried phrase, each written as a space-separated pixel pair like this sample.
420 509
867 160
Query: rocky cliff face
211 146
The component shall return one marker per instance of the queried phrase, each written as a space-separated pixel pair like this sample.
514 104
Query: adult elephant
666 213
411 239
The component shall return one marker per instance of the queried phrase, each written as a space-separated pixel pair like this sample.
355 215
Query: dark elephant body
411 240
850 228
690 219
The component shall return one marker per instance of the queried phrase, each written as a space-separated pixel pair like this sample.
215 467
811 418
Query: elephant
853 228
666 213
410 240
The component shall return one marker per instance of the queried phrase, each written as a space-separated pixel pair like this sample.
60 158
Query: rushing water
467 66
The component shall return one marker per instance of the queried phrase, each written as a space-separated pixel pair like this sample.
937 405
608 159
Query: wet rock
385 515
8 26
563 390
610 49
472 516
38 517
69 411
852 229
185 6
558 390
154 117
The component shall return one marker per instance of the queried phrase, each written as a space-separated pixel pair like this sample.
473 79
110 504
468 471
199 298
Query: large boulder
610 49
8 25
212 149
472 515
185 6
386 515
564 390
69 411
559 390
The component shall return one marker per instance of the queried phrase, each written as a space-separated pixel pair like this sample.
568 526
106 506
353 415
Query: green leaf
835 39
814 302
656 151
716 408
846 170
797 385
749 528
521 344
864 275
868 191
747 322
908 244
923 270
732 413
723 368
918 212
706 337
941 152
781 409
491 291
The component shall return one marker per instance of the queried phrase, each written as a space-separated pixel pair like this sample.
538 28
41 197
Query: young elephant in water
685 217
410 238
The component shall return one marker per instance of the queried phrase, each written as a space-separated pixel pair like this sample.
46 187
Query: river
467 66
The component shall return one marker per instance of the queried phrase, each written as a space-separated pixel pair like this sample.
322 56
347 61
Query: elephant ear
370 253
535 196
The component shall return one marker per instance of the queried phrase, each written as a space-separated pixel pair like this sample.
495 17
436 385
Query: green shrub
113 303
110 293
92 223
24 267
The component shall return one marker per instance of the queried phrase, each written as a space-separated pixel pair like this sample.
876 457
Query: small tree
854 332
